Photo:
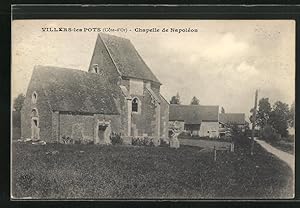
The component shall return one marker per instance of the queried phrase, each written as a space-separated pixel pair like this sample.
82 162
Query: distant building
228 119
205 121
119 94
233 119
198 120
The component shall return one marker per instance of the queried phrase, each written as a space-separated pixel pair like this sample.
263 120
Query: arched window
34 97
34 113
96 68
135 105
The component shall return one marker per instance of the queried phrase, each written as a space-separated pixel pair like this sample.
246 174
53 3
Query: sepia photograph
152 109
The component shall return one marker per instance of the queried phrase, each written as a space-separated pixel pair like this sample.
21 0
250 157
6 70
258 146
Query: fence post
232 147
215 153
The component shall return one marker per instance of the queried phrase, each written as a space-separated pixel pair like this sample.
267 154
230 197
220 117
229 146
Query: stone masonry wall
77 127
43 109
164 116
144 121
82 127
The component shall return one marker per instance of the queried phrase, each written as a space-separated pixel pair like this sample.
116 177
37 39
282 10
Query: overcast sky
221 64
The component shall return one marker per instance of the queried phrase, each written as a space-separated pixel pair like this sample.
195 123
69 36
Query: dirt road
286 157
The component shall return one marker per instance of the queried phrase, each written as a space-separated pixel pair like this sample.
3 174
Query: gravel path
286 157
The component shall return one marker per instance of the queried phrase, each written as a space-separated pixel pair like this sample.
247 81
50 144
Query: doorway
101 131
35 130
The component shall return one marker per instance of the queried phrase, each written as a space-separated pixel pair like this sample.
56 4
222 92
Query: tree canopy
222 110
175 99
292 115
195 101
279 118
263 112
276 117
18 102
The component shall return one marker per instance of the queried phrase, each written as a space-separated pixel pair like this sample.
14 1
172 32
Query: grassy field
91 171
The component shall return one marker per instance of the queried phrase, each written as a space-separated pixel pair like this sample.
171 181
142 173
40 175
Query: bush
67 140
289 138
116 139
164 143
143 141
184 135
239 138
269 133
137 141
149 141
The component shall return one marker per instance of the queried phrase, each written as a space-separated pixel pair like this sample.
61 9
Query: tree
263 113
195 101
279 118
251 117
175 99
18 102
222 110
292 115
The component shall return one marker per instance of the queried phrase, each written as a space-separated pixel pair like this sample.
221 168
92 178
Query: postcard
152 109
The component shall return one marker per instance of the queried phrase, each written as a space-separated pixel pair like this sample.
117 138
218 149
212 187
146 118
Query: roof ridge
115 36
115 45
144 62
164 98
183 105
45 67
232 113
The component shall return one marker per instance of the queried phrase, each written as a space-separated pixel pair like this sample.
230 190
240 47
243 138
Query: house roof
153 94
193 114
126 58
232 118
163 99
76 91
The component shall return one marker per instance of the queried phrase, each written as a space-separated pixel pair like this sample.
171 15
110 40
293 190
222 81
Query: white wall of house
209 129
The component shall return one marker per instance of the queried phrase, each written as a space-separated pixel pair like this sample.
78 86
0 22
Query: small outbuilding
198 120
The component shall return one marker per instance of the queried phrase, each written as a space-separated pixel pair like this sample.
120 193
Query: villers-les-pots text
125 30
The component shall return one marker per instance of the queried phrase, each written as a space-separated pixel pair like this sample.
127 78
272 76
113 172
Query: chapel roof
74 90
126 58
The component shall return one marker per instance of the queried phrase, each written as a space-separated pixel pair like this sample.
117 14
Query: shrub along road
57 171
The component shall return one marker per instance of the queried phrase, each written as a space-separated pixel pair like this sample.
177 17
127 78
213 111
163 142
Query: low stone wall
206 144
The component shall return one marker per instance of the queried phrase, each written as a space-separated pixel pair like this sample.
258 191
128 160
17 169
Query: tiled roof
193 114
76 91
232 118
126 58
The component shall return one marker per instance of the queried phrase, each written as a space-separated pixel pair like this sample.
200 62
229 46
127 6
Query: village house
198 120
227 120
204 120
118 94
